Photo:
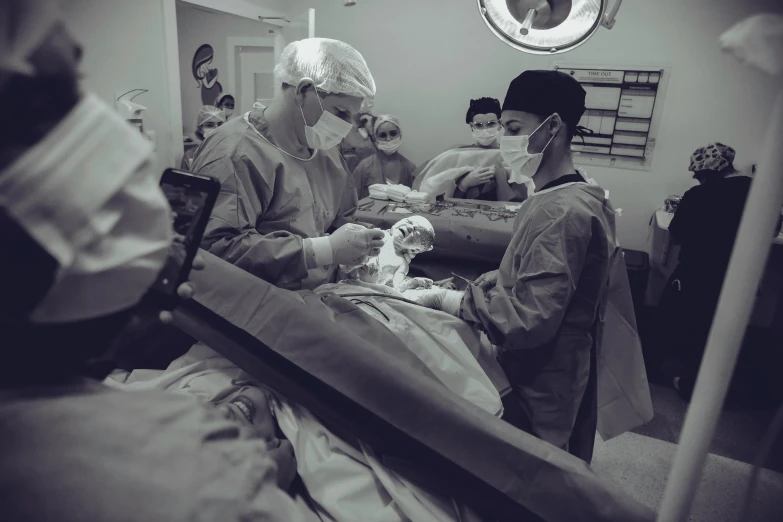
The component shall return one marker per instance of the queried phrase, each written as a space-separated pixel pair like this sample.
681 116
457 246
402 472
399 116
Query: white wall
430 57
195 27
123 50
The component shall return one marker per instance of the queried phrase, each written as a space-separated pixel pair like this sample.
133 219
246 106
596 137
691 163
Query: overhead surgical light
547 26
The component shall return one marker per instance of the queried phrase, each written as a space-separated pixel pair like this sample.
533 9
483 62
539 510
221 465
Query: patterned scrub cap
715 156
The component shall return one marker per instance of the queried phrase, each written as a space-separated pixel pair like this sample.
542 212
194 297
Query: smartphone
192 198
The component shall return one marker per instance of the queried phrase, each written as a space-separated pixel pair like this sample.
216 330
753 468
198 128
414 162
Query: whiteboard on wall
623 111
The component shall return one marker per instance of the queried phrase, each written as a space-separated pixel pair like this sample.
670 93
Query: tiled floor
736 436
639 465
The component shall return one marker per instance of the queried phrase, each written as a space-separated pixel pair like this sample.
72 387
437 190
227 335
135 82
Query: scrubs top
187 160
270 203
79 451
381 168
706 225
355 148
543 309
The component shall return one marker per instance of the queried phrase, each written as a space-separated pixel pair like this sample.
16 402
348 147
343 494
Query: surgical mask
87 195
515 152
486 136
391 146
328 131
208 132
228 112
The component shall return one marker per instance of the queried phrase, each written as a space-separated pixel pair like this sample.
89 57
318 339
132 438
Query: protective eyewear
490 125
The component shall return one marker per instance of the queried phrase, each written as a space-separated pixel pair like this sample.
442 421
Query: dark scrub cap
482 106
716 157
544 93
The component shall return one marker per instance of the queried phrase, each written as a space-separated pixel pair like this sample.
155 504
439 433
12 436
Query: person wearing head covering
91 230
387 165
481 174
491 184
225 102
542 307
359 144
208 119
483 117
284 184
705 225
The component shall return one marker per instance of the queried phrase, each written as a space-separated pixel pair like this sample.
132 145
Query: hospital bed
323 353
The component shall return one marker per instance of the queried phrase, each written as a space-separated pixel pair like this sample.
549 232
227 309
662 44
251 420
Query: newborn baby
407 238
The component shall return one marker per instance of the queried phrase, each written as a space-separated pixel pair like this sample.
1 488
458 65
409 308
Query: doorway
251 64
215 47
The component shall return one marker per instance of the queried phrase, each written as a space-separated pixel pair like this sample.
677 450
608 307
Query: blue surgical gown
355 148
543 310
270 202
380 168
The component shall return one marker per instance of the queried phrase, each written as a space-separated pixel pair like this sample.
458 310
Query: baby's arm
402 282
400 276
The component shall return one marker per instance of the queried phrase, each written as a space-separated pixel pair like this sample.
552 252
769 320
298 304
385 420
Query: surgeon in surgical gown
283 182
541 308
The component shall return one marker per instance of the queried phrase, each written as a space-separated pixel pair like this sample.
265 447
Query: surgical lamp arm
610 15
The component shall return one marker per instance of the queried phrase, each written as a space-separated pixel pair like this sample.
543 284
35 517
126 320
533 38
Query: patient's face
249 405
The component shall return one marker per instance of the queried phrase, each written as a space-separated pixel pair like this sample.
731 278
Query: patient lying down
406 239
345 482
218 382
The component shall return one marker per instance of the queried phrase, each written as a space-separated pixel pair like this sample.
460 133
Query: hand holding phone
192 198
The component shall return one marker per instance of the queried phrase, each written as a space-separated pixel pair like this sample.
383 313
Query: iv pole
746 267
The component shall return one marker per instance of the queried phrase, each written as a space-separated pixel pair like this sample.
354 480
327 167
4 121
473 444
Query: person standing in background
358 144
208 120
705 225
226 103
387 165
483 117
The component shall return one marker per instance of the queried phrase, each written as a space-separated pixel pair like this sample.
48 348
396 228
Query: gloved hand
438 299
487 281
351 244
477 177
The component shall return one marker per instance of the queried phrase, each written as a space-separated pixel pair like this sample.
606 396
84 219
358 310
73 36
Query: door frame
171 55
232 42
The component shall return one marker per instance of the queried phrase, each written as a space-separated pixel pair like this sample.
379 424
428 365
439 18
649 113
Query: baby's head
413 235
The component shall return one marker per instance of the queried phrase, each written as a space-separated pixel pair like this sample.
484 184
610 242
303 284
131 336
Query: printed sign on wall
623 109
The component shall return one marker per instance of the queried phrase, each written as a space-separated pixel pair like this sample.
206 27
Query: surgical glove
449 301
477 177
487 281
351 244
